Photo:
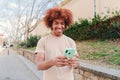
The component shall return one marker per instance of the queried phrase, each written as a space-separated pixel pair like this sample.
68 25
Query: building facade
1 39
83 9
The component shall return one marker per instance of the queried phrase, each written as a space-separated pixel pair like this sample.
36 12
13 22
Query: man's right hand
60 61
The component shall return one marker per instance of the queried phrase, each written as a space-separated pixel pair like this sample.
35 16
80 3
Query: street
12 67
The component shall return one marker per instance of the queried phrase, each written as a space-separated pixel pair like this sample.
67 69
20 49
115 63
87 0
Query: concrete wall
85 8
111 5
85 71
41 29
81 8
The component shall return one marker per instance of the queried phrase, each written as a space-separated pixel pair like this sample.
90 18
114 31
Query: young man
50 49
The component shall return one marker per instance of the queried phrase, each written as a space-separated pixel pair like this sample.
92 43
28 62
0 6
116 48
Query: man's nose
59 25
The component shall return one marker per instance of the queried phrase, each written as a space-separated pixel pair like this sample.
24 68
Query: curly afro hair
58 13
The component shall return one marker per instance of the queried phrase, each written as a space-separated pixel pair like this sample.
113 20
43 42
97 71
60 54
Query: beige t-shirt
52 46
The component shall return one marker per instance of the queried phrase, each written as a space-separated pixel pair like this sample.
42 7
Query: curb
32 67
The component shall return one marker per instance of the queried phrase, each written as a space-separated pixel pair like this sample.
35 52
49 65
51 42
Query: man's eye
63 23
56 23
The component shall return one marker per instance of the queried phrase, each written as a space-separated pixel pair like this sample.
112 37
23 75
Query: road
13 68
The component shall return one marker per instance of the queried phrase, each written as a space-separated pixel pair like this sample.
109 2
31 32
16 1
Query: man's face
58 26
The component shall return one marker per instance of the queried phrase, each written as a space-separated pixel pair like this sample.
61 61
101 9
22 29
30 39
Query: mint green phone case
69 52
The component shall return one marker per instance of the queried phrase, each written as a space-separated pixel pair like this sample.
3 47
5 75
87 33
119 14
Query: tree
27 18
33 15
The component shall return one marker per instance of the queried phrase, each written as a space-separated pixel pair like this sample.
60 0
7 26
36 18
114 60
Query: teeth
58 29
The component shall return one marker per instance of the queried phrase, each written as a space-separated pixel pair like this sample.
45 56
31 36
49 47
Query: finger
61 64
73 62
62 57
76 55
75 59
58 60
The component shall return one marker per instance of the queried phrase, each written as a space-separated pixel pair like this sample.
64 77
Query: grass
94 56
101 51
114 58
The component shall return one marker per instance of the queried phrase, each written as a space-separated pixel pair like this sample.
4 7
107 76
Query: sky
9 9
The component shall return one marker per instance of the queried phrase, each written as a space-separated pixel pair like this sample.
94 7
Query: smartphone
69 52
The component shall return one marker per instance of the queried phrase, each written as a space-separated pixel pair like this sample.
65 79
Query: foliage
30 42
97 28
107 29
31 48
79 30
22 44
114 31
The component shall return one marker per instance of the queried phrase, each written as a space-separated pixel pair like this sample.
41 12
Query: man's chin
59 34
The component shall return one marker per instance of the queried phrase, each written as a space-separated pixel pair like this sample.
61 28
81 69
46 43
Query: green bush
96 20
107 29
96 28
30 42
114 31
22 44
101 32
79 30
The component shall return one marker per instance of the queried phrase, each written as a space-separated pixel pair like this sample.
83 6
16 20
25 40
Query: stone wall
85 71
27 54
93 72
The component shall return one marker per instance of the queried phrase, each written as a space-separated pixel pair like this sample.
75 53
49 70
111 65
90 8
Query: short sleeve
72 43
40 48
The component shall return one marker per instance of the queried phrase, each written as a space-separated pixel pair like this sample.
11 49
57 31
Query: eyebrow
57 21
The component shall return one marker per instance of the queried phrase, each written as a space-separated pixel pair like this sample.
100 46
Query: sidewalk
16 67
